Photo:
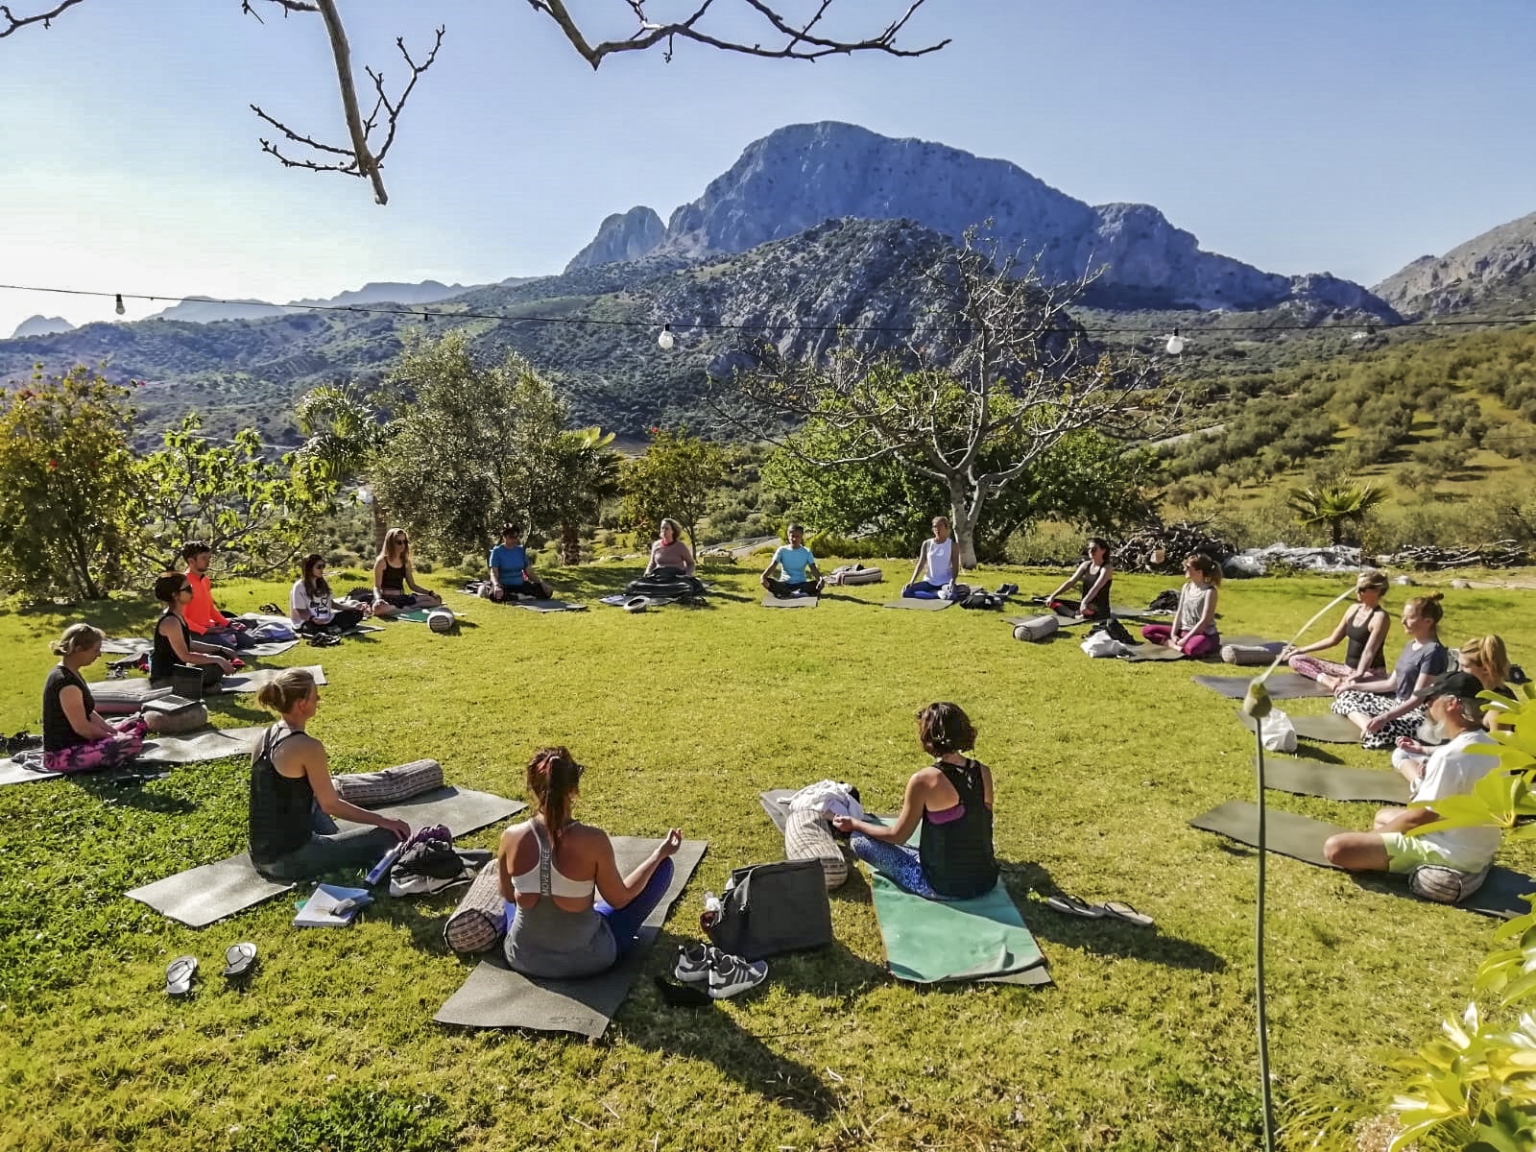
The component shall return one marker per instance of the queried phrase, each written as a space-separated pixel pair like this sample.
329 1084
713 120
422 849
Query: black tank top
281 806
162 657
1359 637
394 578
58 734
1099 606
957 856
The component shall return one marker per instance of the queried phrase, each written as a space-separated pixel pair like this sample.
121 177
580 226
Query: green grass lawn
683 716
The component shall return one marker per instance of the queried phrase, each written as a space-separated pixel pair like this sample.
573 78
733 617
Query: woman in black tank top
393 574
1365 625
1093 577
951 800
75 737
172 642
293 801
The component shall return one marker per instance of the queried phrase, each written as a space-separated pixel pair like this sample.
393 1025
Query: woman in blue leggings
552 871
952 799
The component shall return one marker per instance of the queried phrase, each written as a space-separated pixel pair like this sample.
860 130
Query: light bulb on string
666 340
1175 343
121 309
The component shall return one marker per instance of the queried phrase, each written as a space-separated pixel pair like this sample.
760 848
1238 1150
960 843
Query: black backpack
1115 629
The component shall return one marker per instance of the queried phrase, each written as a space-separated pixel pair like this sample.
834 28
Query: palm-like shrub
1335 505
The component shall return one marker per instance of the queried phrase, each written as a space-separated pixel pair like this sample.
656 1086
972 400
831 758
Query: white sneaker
730 975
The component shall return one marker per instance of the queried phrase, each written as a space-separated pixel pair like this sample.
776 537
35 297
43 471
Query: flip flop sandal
1072 906
270 610
239 959
1124 911
178 975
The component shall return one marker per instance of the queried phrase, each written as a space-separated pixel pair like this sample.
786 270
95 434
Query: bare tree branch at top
786 39
13 22
982 391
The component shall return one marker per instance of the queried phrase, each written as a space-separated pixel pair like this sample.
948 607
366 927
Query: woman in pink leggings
1193 631
75 737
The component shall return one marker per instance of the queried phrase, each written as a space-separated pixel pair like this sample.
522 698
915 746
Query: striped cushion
851 574
480 920
1444 885
807 836
375 789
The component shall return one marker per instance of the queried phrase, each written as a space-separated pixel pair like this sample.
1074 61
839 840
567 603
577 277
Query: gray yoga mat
200 896
496 997
1326 729
550 606
133 645
791 601
14 773
775 802
200 746
1281 686
1302 838
915 605
136 690
1333 781
1151 653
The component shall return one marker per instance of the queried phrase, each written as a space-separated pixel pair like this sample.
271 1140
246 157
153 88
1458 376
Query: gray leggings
329 850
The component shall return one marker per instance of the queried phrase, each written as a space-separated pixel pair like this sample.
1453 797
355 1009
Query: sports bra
544 877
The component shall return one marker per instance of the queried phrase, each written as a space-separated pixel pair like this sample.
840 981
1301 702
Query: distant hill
803 175
41 326
203 310
1493 274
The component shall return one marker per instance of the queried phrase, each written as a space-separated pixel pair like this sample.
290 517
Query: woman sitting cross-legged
669 551
938 565
172 642
393 574
294 805
552 871
1387 709
311 606
1193 631
1094 576
952 799
1365 625
75 737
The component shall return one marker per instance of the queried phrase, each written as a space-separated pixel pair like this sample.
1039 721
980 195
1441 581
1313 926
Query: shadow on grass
1109 936
125 788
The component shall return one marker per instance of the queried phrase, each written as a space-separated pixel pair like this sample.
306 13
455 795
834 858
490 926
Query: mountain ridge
1493 272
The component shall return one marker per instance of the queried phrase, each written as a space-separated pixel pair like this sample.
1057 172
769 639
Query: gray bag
767 909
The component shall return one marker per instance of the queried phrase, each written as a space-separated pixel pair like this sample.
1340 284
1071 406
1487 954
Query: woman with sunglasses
172 642
313 609
393 574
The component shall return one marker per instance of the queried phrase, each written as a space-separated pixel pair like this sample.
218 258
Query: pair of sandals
1115 909
239 960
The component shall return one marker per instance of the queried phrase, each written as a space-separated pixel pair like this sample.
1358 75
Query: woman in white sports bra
553 871
938 564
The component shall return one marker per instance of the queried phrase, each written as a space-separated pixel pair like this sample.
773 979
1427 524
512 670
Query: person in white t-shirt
1452 769
313 609
938 565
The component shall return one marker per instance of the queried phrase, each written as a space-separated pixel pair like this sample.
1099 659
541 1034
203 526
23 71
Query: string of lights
666 338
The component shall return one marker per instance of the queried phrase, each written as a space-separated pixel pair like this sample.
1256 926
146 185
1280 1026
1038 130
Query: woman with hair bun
75 737
173 645
952 800
1387 709
1365 625
553 870
294 805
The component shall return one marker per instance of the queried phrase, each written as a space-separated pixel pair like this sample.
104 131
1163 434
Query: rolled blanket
1444 885
1247 655
480 920
375 789
181 721
1036 628
853 574
807 836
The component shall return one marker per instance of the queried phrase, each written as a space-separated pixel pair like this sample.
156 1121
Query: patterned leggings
1202 644
896 862
1313 668
98 755
1374 704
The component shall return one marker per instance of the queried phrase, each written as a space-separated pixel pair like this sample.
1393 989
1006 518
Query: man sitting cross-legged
511 573
1452 769
794 562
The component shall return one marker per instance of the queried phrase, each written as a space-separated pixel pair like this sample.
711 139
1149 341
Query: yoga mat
929 941
496 997
791 601
133 645
776 803
1281 686
200 896
1333 781
1149 653
14 773
200 746
255 679
128 694
550 606
916 605
1327 728
1302 838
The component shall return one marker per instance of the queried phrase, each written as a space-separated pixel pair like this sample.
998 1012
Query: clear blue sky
1348 136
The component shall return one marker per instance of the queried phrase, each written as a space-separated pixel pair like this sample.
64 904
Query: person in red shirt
207 624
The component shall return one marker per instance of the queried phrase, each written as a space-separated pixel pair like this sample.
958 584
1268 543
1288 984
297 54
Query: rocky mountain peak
1496 270
41 326
622 236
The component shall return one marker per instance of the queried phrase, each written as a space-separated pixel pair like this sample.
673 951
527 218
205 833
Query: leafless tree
997 376
369 137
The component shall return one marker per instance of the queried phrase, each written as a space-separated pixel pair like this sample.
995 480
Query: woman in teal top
795 563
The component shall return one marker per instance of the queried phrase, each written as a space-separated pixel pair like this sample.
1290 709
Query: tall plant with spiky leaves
1335 505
